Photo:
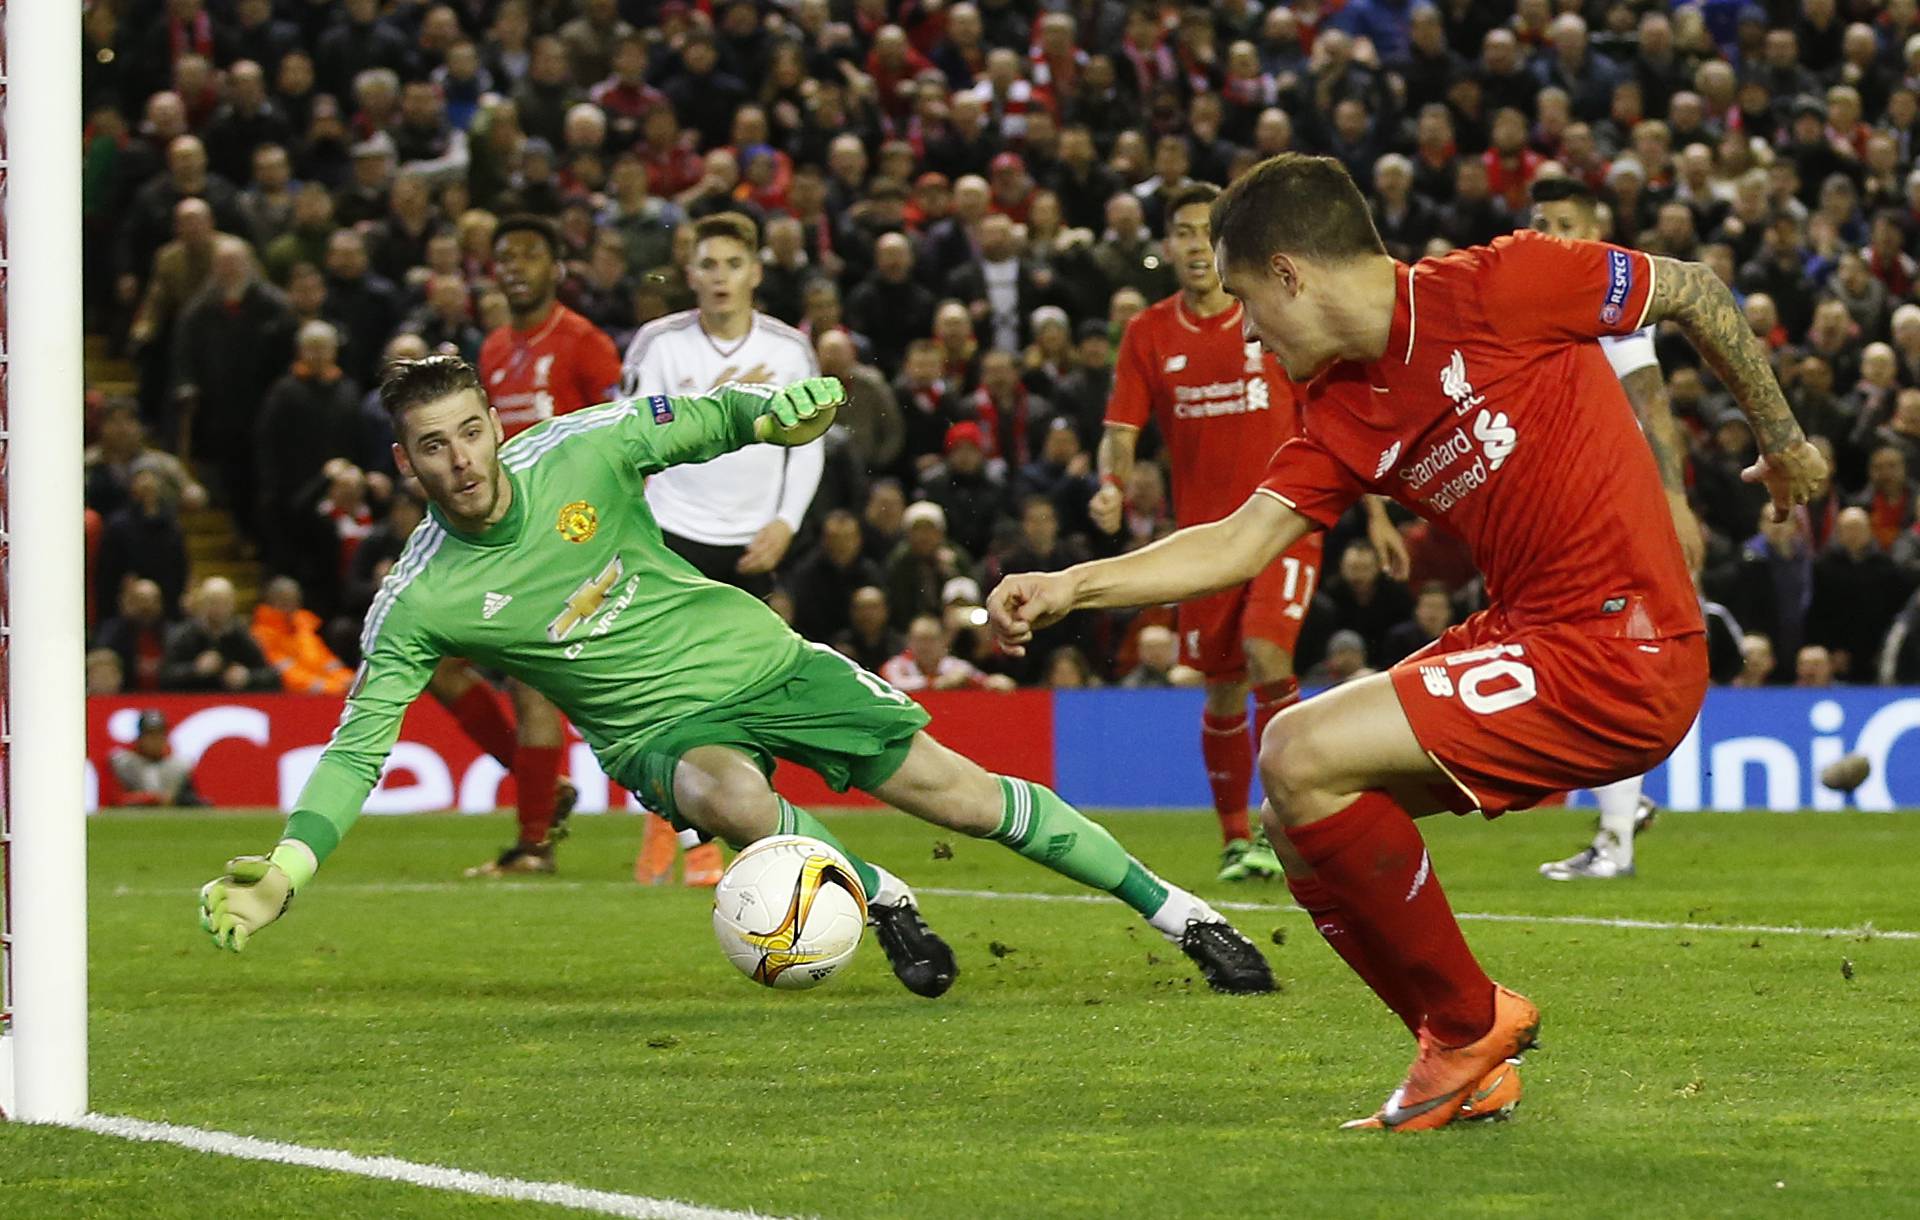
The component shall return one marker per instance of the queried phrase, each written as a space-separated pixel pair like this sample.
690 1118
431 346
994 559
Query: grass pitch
587 1031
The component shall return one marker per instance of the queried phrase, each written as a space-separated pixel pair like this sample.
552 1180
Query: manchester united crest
578 521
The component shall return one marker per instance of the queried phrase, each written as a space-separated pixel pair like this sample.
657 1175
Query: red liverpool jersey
1222 403
562 365
1494 415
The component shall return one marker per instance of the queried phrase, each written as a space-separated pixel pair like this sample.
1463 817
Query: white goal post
43 1042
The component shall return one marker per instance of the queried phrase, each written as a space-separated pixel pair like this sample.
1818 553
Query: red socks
536 769
481 716
536 773
1229 757
1269 700
1373 862
1331 923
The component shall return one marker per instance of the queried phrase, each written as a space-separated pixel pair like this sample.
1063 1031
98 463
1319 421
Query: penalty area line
1867 931
392 1169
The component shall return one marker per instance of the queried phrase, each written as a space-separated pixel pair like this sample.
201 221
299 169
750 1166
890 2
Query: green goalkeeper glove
252 893
801 412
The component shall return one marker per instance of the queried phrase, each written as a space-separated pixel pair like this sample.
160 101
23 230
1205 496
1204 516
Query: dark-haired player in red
547 361
1469 389
1223 406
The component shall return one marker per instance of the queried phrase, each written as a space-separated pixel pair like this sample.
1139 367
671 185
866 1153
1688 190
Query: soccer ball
789 912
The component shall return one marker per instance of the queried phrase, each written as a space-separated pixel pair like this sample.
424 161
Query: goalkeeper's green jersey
573 592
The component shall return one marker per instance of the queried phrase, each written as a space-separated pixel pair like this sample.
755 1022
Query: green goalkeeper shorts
824 713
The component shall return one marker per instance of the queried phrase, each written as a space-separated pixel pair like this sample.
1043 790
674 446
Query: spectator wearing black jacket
137 635
310 417
922 563
998 287
1083 184
1856 593
364 303
260 37
702 93
149 222
891 308
1364 599
1405 220
928 407
141 540
213 650
1432 613
372 560
869 639
1430 65
247 120
972 496
358 40
232 343
823 583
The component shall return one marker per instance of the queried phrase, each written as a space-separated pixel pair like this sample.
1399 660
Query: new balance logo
1175 363
1388 457
1420 876
494 603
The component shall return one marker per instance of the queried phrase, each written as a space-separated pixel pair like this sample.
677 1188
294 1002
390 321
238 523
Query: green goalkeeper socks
797 821
1035 822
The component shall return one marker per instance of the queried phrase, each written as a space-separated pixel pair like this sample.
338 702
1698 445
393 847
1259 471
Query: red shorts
1514 715
1269 607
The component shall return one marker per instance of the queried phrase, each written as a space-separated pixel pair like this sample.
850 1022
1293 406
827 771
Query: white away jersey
1626 353
726 501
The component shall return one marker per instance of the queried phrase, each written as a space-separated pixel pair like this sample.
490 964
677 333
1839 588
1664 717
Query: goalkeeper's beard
479 508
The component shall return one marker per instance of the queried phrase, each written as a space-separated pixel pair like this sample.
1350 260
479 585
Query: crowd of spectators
960 203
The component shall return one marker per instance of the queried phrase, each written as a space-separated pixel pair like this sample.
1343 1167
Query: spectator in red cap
930 203
1012 188
973 495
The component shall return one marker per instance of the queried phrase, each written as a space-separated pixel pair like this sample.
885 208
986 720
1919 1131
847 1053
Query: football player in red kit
1223 406
1469 389
547 361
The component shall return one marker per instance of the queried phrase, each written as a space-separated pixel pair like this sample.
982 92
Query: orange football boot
1444 1080
703 866
1495 1096
658 845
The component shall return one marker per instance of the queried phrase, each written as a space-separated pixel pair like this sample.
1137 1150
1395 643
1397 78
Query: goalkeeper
541 559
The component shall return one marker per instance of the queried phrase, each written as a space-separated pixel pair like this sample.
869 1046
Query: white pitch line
392 1169
1582 921
1866 930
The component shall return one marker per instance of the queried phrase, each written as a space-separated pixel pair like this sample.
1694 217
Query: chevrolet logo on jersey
578 521
585 601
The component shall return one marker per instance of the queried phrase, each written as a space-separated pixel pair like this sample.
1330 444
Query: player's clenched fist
1793 475
1107 507
1023 604
252 893
801 412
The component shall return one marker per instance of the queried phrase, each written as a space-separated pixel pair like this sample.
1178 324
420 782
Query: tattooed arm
1692 296
1647 392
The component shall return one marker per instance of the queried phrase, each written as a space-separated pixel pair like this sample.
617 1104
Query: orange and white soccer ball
789 912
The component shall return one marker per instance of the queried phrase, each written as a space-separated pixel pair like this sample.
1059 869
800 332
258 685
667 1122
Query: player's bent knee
737 805
1293 767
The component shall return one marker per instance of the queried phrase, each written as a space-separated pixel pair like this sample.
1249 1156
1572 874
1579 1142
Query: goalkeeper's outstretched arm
254 891
663 430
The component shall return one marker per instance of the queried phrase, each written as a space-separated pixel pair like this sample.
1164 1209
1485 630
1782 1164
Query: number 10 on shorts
1496 679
